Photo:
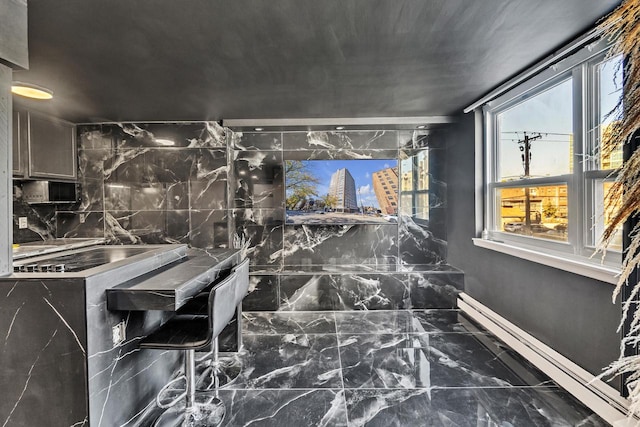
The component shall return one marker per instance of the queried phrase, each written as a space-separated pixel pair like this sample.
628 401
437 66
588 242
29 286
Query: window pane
406 166
610 84
423 170
422 208
406 203
535 137
604 211
546 206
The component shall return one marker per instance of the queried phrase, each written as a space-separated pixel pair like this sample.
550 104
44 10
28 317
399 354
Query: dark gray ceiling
145 60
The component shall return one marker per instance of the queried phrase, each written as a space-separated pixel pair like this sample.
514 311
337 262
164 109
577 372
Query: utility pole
525 147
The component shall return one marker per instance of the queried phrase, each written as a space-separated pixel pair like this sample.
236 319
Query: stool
197 306
190 333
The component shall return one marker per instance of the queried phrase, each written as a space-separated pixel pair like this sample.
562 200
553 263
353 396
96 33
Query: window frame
581 67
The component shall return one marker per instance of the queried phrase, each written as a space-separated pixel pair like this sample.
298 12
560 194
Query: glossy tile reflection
386 368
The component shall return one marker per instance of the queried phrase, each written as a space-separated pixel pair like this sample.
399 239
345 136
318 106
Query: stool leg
239 325
215 368
190 373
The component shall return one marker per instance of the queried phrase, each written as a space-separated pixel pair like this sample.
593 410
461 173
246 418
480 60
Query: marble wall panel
264 293
46 322
91 162
96 137
206 194
417 243
340 245
259 179
414 139
305 292
263 244
215 189
342 154
347 291
263 141
435 290
209 229
348 140
40 219
117 373
69 224
163 135
91 194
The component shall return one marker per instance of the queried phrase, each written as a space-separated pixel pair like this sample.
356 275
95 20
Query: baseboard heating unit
597 395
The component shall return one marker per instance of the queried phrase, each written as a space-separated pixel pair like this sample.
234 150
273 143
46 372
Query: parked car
513 227
539 228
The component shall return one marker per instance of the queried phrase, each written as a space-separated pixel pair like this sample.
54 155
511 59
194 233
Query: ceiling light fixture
259 129
31 90
421 127
339 127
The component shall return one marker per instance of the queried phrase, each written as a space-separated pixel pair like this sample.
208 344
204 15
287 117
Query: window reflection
534 211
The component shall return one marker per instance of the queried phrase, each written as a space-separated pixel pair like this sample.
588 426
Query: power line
517 132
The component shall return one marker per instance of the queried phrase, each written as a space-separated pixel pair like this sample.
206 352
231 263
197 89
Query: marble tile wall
151 183
274 245
201 184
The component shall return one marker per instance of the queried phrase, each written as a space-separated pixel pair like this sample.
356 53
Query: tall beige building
385 186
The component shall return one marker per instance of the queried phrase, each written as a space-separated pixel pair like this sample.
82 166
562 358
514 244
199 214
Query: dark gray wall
571 313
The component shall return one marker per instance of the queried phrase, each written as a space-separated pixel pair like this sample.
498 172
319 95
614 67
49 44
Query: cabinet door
16 151
52 148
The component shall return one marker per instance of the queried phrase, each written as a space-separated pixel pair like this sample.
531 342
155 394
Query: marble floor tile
439 321
470 407
425 360
477 360
278 408
289 361
383 368
288 322
374 322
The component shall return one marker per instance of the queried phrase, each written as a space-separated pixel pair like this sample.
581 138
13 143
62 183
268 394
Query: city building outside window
547 175
414 185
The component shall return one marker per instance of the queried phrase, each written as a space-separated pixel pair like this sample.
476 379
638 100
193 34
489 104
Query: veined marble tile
340 154
478 360
467 407
264 141
374 322
417 243
263 244
429 360
346 291
264 293
324 244
438 321
289 361
209 229
273 323
279 408
272 408
68 224
322 140
438 290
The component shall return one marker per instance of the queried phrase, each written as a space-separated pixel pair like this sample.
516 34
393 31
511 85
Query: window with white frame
547 175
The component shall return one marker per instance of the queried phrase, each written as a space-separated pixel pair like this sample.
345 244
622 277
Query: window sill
595 271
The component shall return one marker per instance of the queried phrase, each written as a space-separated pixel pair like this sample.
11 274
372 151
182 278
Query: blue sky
361 171
551 114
